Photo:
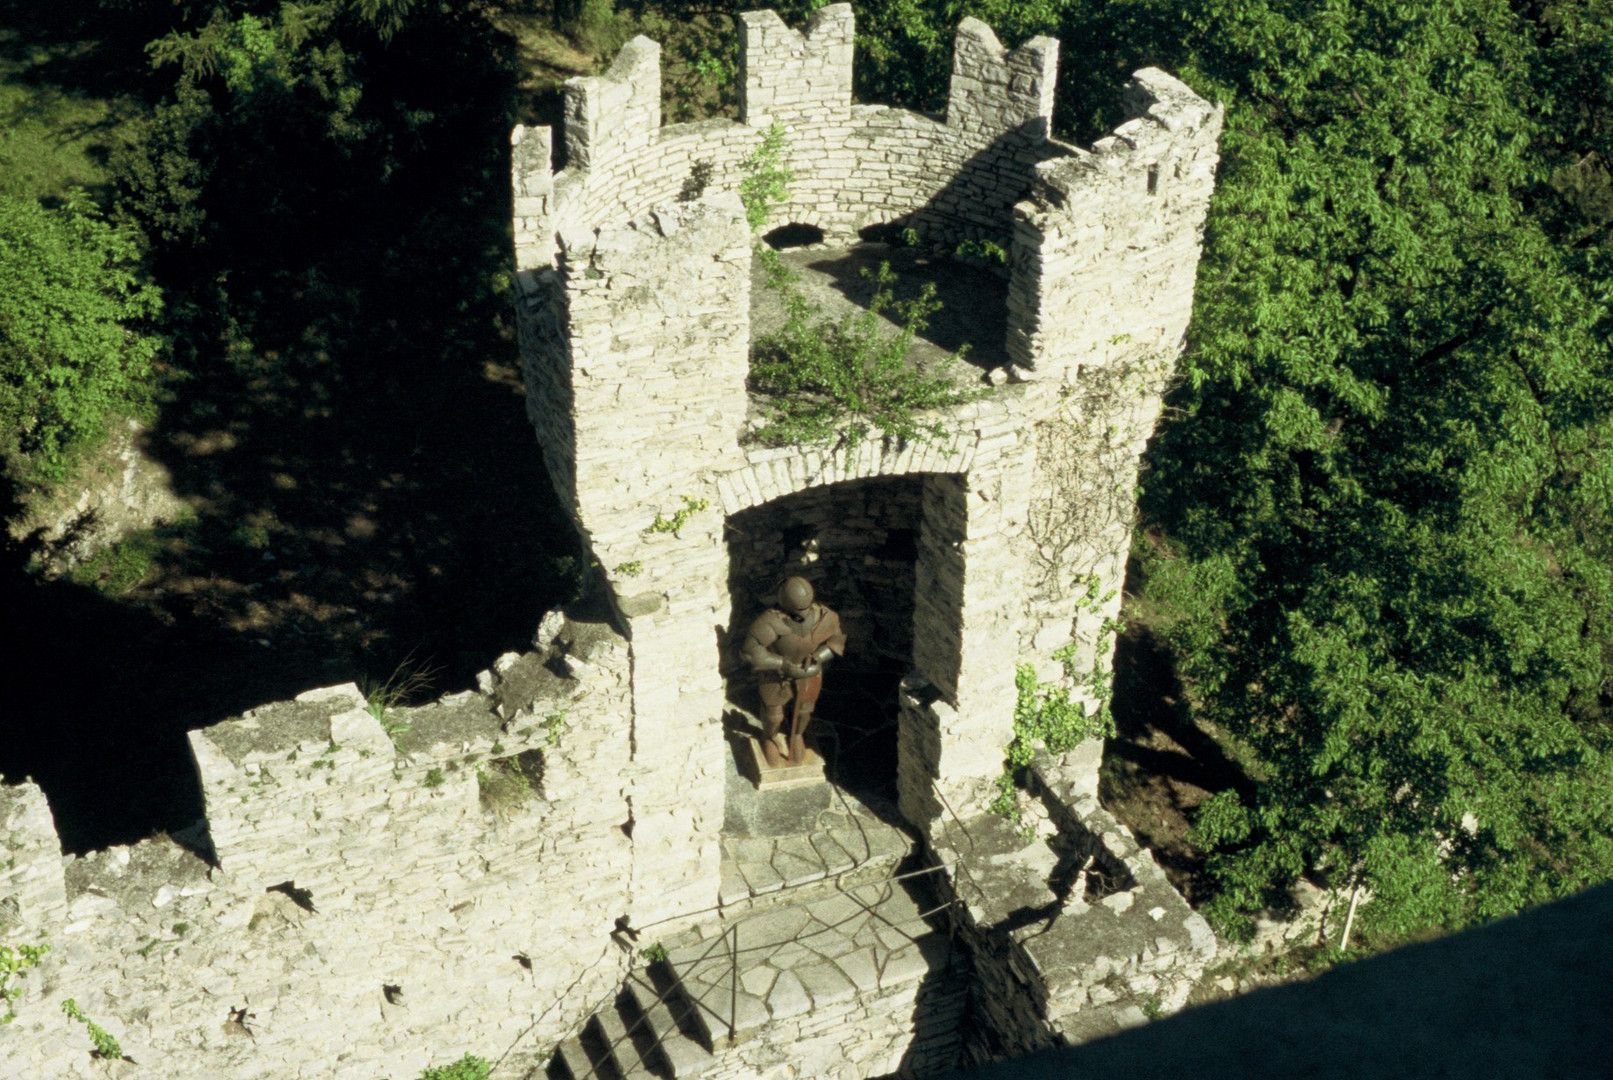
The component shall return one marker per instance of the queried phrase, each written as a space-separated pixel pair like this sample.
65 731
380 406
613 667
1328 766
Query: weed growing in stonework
14 963
434 778
983 249
105 1045
504 786
469 1067
654 954
552 725
679 518
838 382
764 178
381 700
1044 715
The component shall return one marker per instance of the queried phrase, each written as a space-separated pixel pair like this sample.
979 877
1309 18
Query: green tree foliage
1394 579
1384 500
70 299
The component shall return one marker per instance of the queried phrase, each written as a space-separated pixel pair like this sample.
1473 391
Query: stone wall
854 165
345 866
635 336
32 889
1074 931
914 1029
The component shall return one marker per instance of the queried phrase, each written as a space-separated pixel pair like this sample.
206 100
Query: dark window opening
793 235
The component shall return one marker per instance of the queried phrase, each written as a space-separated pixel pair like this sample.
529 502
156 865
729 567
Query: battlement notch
995 91
787 76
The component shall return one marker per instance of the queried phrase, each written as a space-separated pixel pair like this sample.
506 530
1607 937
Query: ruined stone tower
635 299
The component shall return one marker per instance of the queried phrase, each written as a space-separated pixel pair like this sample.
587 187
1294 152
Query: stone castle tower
635 286
355 903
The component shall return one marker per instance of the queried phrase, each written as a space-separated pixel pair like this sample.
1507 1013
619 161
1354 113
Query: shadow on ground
1523 997
349 430
974 302
1160 766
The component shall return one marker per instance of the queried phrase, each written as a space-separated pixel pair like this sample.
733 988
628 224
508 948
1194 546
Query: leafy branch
837 382
1045 717
106 1046
675 523
764 178
16 962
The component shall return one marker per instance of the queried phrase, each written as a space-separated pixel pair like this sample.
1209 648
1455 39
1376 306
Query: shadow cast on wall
1524 997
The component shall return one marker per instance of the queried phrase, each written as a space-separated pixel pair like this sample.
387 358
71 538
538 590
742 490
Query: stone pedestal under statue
772 801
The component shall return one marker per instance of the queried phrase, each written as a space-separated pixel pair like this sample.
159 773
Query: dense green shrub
71 351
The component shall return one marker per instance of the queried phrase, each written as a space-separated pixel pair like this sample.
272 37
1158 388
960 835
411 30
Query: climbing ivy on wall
1046 717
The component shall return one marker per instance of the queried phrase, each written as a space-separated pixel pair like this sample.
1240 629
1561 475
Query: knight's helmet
795 595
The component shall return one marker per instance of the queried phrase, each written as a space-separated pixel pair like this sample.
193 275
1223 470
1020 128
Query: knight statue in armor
787 647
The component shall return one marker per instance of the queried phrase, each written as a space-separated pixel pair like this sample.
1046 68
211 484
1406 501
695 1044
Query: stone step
571 1062
619 1040
672 1021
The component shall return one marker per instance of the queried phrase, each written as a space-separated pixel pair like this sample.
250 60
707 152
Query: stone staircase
830 949
651 1030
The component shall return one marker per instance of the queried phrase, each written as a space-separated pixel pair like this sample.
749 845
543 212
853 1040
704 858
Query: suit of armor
787 647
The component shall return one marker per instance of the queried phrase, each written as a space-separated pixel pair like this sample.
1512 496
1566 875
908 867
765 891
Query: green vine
16 962
105 1045
1044 715
764 178
679 518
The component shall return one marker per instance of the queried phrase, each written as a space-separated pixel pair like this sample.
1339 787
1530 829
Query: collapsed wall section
1075 931
32 890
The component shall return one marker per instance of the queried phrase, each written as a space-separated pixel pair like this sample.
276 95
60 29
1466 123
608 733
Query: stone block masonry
855 165
633 269
366 915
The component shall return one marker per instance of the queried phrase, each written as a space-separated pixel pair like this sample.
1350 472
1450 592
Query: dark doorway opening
856 542
793 235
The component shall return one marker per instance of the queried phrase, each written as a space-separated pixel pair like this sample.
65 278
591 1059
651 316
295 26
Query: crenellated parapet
1106 245
613 115
364 900
635 280
796 77
994 91
949 178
